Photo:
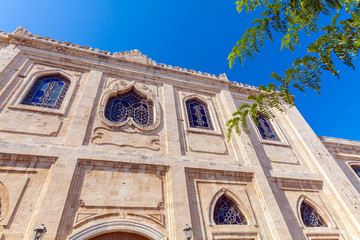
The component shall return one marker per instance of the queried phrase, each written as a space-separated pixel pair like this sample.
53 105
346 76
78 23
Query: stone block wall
82 175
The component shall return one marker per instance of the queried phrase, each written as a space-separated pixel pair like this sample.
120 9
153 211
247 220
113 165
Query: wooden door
119 236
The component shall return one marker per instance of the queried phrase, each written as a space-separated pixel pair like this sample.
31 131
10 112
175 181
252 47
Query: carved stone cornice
339 141
23 37
243 88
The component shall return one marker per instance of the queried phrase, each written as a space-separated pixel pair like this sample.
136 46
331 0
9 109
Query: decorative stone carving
103 136
120 87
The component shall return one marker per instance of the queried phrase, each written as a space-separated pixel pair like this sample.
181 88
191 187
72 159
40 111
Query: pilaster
78 128
275 221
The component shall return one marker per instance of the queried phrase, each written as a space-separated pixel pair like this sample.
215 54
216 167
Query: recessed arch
119 236
47 91
20 100
144 97
224 192
119 225
266 129
198 112
355 168
310 214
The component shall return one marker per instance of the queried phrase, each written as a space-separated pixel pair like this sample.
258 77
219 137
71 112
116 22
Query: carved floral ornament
133 104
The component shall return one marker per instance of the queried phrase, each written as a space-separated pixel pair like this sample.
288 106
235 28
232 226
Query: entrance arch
119 236
120 225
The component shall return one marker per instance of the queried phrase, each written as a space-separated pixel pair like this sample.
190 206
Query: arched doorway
98 230
119 236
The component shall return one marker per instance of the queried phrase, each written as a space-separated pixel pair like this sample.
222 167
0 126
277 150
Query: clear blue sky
191 34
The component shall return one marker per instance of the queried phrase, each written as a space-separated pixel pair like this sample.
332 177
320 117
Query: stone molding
118 225
132 55
37 71
23 37
120 87
339 141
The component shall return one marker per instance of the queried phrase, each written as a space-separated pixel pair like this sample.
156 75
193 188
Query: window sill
60 111
203 131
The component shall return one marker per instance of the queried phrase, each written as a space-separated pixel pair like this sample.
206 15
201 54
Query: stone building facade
99 145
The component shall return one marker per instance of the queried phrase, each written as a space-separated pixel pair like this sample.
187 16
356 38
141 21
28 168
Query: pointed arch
198 113
310 214
266 129
125 225
226 209
356 169
47 91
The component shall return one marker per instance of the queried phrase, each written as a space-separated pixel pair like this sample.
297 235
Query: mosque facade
99 145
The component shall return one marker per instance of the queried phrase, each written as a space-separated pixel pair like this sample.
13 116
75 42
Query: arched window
47 91
310 217
130 105
356 169
198 114
266 130
227 212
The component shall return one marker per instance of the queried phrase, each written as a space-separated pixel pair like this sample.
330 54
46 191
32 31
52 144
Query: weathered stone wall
82 175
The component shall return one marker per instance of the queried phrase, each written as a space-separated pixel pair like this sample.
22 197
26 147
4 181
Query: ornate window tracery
310 217
265 128
130 105
198 114
47 91
227 212
356 169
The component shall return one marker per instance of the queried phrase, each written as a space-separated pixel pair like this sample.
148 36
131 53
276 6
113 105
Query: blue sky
191 34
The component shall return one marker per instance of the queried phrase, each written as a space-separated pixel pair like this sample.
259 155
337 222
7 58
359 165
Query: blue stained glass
47 91
58 88
266 130
43 86
130 104
198 115
310 217
356 169
54 96
226 212
39 94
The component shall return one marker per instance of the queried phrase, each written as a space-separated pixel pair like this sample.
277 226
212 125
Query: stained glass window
198 115
130 105
266 130
310 217
356 169
47 91
227 212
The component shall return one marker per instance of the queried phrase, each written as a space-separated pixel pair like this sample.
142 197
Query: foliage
290 19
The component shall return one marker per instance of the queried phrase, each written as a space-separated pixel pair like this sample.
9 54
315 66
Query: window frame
351 164
29 82
322 212
118 87
281 138
212 114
